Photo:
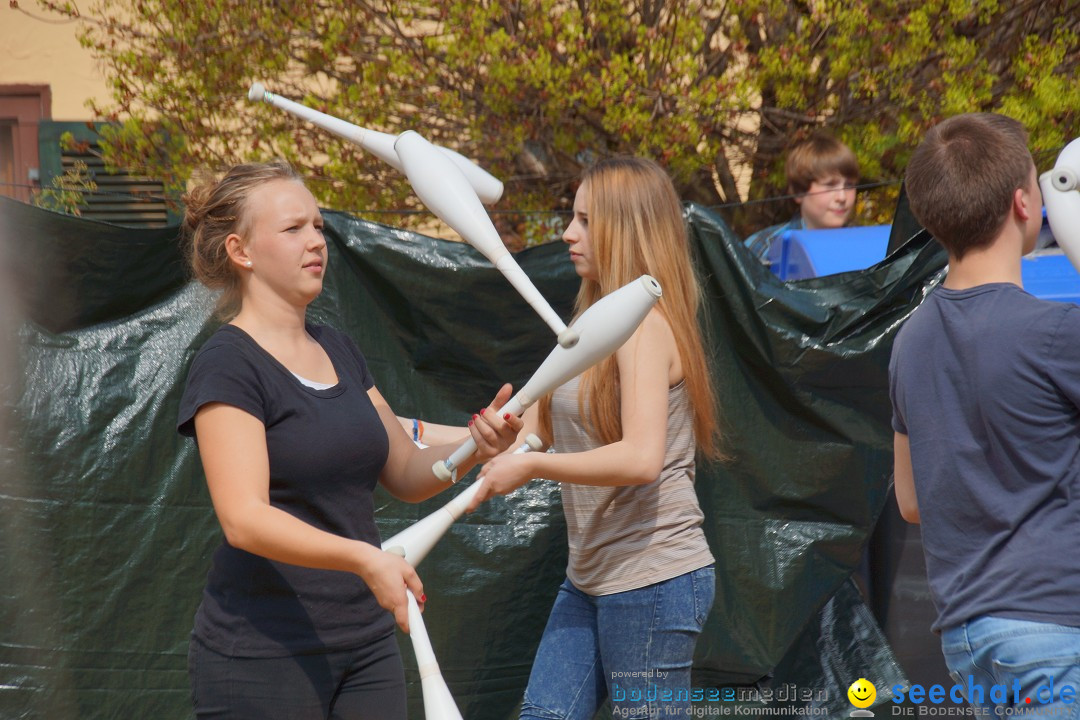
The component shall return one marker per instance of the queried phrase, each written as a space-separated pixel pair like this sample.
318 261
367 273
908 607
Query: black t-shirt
326 449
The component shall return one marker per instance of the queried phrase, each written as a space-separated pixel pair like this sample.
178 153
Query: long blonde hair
636 227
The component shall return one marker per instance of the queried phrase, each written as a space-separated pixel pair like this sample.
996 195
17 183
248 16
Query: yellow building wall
41 48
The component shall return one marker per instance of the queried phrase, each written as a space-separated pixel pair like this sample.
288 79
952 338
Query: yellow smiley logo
862 693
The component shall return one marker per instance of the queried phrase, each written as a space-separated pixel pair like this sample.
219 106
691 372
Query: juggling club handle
446 470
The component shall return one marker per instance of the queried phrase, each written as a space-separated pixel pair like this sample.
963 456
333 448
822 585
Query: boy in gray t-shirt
985 384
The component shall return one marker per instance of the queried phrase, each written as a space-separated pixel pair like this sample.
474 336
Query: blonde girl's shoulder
655 337
656 327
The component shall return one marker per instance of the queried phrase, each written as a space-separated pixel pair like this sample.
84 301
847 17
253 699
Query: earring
247 264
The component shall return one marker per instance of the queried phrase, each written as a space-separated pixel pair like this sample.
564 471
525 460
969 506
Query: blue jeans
1005 665
635 647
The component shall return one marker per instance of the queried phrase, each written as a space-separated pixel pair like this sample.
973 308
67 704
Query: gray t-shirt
985 382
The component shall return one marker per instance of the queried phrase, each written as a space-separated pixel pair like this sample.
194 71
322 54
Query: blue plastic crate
798 254
810 253
1049 275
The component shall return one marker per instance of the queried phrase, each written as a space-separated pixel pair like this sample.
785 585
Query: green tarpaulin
106 527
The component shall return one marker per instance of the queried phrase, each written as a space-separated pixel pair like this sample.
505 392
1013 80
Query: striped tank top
624 538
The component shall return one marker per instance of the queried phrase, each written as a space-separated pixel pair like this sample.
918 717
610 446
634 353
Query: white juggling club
413 544
488 187
438 702
1061 195
603 329
443 189
417 540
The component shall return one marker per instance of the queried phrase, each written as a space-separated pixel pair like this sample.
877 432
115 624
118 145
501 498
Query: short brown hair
213 210
961 178
817 157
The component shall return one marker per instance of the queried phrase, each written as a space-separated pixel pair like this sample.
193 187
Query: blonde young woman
640 579
293 435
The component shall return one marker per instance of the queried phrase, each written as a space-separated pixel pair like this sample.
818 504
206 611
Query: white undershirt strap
312 384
